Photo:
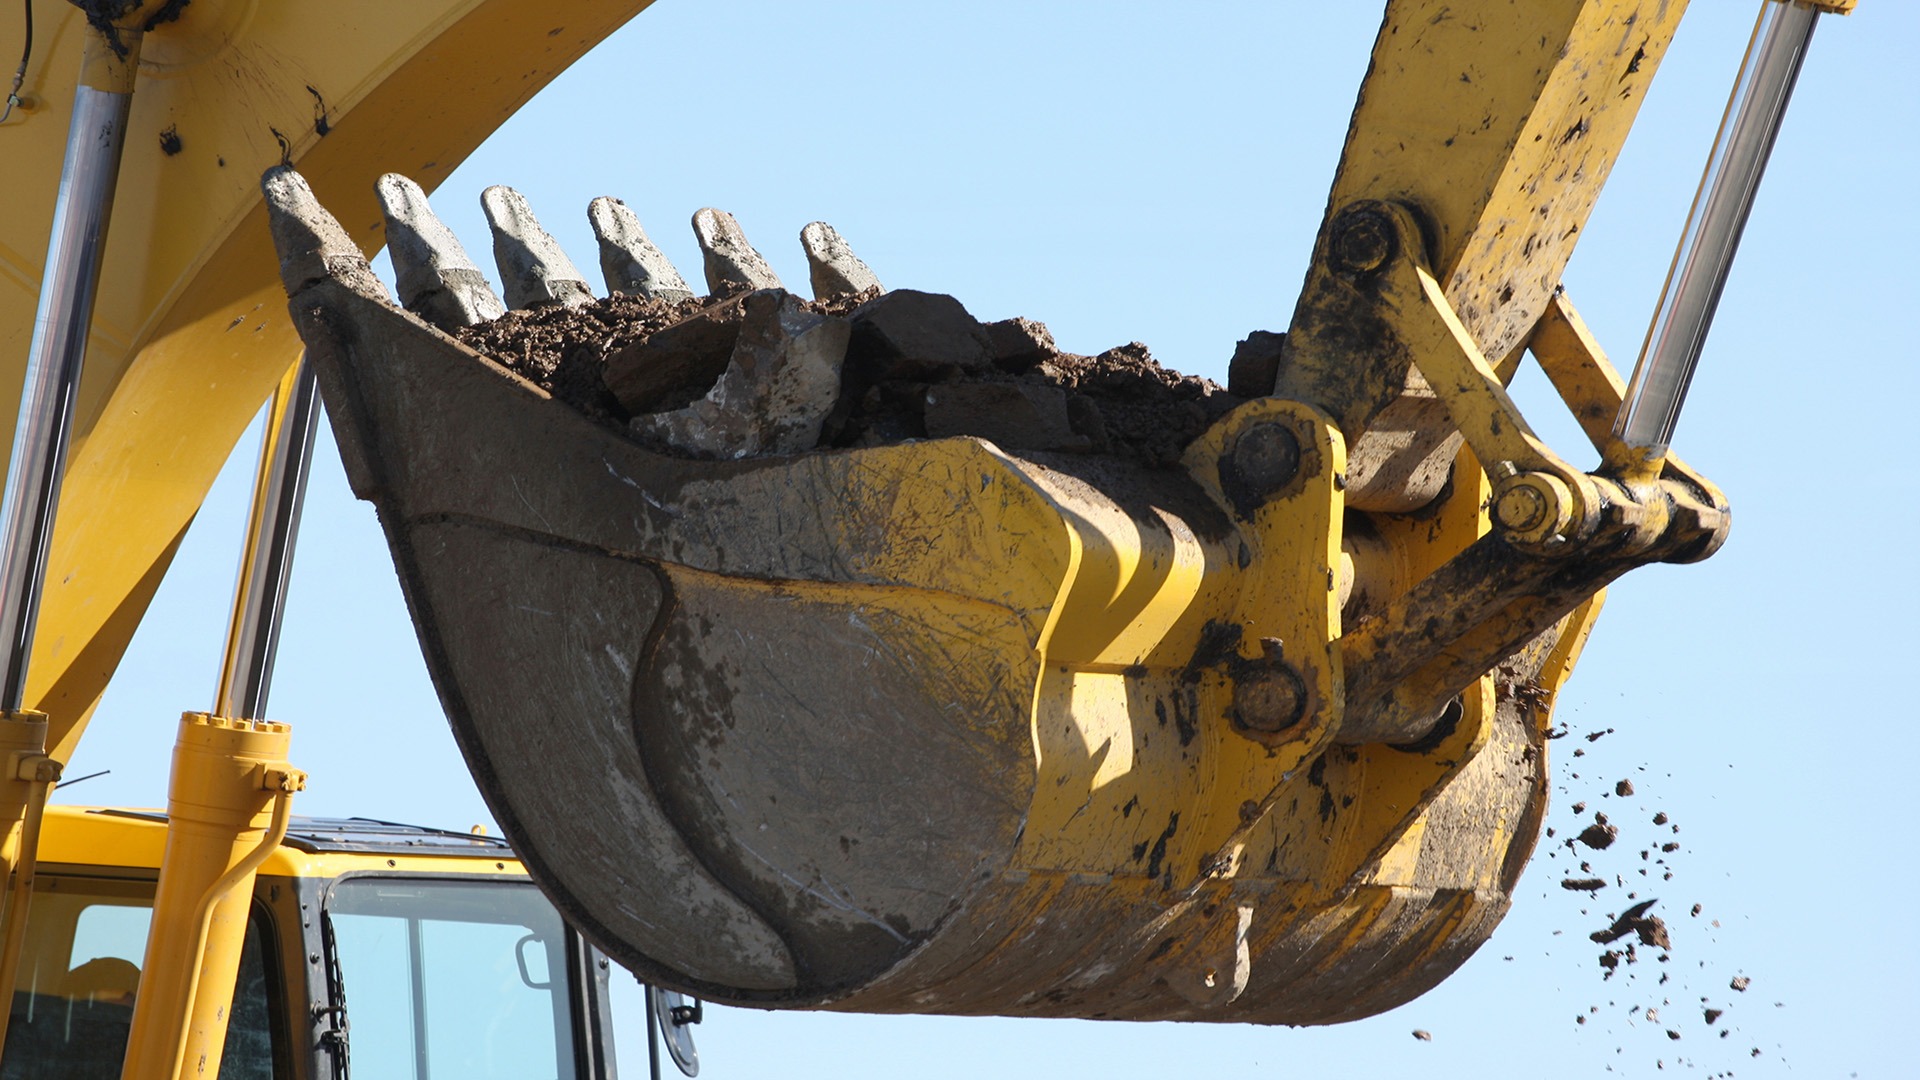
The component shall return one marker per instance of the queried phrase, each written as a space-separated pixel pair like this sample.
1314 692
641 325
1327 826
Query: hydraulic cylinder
226 810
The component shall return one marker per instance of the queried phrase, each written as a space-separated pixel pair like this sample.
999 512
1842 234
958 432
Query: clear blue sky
1155 173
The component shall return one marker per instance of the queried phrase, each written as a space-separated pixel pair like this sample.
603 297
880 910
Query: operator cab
404 951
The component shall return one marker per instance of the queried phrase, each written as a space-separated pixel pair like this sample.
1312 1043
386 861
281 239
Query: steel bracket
1559 534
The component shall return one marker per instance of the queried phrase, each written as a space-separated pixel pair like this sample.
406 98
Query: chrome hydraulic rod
67 288
259 594
68 281
1700 266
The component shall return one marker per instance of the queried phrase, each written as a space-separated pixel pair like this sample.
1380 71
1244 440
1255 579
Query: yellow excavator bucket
934 724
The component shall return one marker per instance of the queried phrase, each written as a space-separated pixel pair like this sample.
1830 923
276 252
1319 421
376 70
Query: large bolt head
1262 463
1267 457
1362 240
1269 698
1522 507
1533 507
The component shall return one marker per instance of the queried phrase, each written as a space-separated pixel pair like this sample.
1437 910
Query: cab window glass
445 979
80 974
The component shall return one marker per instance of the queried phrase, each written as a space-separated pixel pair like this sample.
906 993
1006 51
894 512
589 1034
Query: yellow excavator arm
190 335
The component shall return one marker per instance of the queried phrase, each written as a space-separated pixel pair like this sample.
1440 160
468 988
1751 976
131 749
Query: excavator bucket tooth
836 271
918 727
631 263
533 269
313 247
435 278
731 262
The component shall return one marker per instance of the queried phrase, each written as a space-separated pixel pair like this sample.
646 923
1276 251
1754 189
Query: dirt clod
1740 983
1423 1036
918 336
1256 364
660 370
1623 789
1019 344
1599 836
1650 929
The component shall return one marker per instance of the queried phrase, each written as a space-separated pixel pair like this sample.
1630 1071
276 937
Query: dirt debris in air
1616 874
917 366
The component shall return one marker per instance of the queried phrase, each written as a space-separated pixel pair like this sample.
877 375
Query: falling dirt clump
917 366
1599 835
1740 983
1592 884
1651 929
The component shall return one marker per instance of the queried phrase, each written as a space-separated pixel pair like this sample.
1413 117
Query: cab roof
314 846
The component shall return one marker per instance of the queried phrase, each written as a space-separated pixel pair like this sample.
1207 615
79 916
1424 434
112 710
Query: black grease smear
103 15
1159 852
320 123
168 12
